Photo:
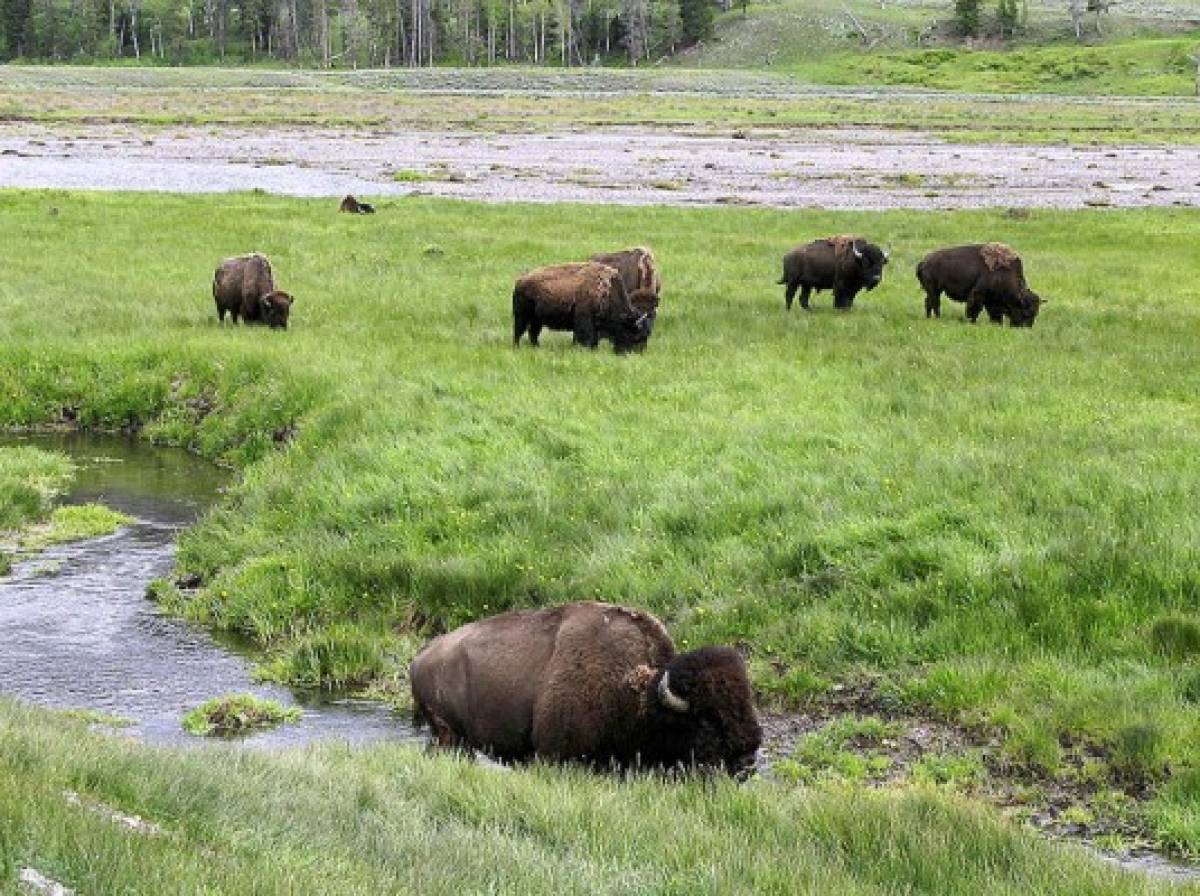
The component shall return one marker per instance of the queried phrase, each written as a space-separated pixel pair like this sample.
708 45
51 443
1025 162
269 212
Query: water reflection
77 630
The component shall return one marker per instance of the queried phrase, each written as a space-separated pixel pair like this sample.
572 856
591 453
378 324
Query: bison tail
781 281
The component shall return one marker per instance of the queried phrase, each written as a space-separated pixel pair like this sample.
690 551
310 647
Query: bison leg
805 292
974 307
535 330
585 332
995 315
788 294
519 325
933 303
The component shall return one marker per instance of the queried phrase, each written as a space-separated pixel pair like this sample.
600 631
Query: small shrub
237 714
1177 637
1138 752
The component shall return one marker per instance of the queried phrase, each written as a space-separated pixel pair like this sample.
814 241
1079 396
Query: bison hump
998 256
842 244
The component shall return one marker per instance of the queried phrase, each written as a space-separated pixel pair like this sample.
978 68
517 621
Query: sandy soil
834 169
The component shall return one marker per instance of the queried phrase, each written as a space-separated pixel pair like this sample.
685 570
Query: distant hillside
1146 48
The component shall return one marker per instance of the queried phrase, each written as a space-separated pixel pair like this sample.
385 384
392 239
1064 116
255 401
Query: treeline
352 33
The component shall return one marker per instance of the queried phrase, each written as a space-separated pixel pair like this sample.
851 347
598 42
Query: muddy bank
78 631
859 168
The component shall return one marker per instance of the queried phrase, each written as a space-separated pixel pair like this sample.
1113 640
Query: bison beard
588 682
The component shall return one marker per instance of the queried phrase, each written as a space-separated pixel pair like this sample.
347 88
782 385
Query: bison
637 267
846 264
986 276
354 207
588 682
587 298
244 287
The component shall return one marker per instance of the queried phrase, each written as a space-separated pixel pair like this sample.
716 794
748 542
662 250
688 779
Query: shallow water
77 630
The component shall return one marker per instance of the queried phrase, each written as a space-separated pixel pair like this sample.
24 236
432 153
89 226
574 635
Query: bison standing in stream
587 298
245 287
986 276
591 682
846 264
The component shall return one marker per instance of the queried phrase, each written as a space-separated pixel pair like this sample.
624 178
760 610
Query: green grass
390 820
72 523
915 45
503 100
29 481
236 714
992 526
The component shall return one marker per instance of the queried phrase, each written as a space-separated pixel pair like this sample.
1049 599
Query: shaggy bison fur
244 287
846 264
589 682
587 298
988 277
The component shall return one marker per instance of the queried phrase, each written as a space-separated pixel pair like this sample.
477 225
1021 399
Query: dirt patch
855 734
846 168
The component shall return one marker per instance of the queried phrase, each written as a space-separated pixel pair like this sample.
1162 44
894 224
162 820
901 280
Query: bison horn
857 251
669 698
641 320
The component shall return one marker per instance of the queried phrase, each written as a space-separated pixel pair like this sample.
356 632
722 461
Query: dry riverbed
849 168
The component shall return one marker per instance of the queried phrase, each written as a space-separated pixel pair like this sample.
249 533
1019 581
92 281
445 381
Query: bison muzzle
587 682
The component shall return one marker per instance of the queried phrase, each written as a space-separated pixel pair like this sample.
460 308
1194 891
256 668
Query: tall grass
390 820
993 525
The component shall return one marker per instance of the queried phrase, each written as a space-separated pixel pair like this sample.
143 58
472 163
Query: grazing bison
637 267
587 298
244 287
845 264
587 681
987 277
354 207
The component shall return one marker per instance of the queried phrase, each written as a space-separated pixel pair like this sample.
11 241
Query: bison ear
669 698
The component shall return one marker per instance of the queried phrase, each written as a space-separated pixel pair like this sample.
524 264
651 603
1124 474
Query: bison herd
594 682
615 295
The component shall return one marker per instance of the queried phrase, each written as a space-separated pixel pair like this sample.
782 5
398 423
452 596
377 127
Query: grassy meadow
522 99
390 820
988 527
1143 48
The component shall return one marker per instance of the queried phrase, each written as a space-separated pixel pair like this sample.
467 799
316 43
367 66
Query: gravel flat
858 168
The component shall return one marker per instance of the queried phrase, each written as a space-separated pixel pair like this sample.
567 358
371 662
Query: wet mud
847 169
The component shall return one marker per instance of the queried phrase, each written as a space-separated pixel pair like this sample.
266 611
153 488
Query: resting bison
354 207
587 298
243 286
987 277
845 264
587 681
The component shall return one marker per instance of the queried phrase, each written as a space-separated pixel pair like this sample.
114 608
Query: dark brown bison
244 287
591 682
352 206
637 267
846 264
586 298
987 277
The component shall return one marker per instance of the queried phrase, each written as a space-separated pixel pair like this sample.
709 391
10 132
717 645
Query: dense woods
349 33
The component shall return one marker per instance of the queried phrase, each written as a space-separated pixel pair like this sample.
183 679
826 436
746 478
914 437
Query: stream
77 630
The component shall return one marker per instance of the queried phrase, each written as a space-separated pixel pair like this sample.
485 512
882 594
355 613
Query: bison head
645 303
708 709
870 260
1023 311
275 307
